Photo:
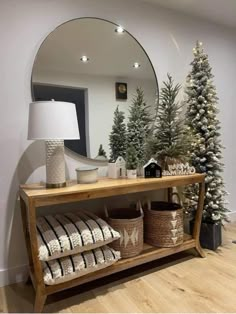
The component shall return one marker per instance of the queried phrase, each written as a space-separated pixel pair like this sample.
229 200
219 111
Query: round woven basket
129 223
163 224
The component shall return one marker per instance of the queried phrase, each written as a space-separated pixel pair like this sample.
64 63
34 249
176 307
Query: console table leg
40 300
200 251
198 219
30 230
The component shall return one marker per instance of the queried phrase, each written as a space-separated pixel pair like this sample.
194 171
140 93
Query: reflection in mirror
88 62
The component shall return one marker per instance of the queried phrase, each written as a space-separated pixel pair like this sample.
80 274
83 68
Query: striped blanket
71 267
71 233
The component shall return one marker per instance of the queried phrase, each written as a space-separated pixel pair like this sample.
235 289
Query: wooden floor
181 284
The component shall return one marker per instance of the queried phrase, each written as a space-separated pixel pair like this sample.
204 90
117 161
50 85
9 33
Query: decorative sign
179 169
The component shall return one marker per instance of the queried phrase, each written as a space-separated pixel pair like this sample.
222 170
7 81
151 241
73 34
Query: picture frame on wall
121 91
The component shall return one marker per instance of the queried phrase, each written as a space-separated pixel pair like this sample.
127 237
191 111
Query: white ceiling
110 54
217 11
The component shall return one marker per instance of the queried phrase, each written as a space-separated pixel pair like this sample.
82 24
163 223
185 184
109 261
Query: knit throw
71 267
66 234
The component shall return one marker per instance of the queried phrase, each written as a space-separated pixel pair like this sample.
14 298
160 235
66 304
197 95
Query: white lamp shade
52 120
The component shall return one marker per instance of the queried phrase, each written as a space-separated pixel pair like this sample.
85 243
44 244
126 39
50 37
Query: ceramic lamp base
55 164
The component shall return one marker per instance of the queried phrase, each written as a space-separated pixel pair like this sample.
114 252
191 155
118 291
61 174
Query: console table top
104 187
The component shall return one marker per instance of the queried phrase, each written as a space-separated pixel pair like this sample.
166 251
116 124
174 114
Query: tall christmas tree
138 126
169 142
206 151
118 136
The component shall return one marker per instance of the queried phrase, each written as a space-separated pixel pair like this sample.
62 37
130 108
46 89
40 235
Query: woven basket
129 223
163 224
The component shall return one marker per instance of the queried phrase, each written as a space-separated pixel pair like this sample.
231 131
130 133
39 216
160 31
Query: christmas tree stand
210 235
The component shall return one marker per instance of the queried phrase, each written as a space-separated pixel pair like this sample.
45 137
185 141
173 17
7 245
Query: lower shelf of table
149 253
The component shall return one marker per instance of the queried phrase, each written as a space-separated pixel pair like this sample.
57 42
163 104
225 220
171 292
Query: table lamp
54 122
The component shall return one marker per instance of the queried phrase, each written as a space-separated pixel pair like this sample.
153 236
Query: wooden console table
36 195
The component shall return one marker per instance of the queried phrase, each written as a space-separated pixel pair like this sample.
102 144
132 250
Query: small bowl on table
87 175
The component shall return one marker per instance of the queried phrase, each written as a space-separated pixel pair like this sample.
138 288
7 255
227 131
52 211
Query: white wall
168 39
101 100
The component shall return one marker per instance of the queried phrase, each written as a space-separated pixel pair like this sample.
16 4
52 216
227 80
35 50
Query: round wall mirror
98 66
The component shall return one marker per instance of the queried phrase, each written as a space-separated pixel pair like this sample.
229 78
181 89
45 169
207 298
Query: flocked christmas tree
101 151
169 143
131 158
206 150
118 136
138 126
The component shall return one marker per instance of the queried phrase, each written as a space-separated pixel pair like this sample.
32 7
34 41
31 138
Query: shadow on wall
14 250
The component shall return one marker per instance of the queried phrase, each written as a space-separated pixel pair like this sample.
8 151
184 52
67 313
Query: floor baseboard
13 275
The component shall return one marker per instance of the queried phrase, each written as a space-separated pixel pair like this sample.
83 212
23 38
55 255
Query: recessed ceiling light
119 30
136 65
84 59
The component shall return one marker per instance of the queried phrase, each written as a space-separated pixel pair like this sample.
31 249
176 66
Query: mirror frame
105 20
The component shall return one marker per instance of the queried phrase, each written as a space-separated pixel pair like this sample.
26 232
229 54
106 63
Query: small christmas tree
138 126
169 142
131 158
202 121
101 151
118 136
